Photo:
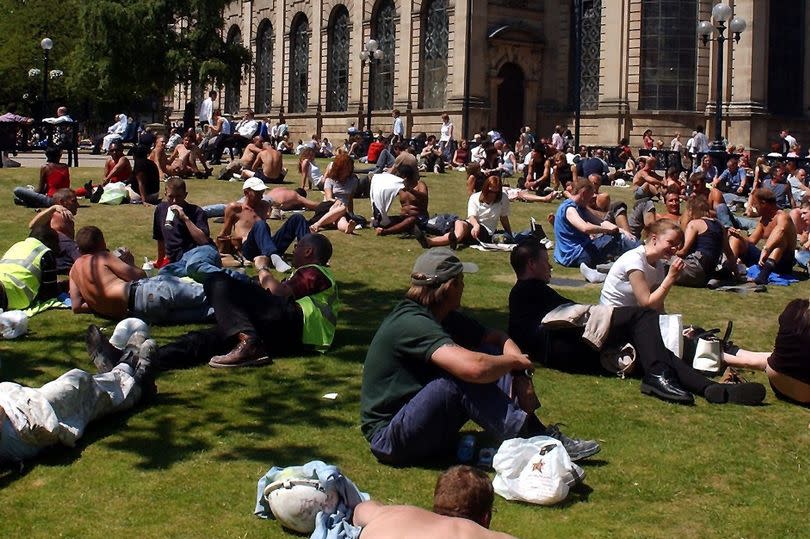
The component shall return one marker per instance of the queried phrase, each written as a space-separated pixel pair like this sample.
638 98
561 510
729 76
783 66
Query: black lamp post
371 52
720 13
577 70
47 45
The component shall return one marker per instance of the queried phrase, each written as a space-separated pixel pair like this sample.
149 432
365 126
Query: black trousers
567 351
245 307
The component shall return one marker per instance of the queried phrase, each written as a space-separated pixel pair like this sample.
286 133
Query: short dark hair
62 195
464 492
44 233
52 154
321 245
176 182
90 239
526 250
212 94
673 171
764 195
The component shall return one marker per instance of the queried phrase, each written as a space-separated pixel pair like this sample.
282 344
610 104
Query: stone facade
508 63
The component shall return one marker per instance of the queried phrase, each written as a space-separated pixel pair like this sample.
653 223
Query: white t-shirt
445 132
617 291
488 215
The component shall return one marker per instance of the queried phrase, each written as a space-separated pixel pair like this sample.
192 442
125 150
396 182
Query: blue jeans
214 210
428 425
32 199
261 242
803 259
165 299
603 247
734 198
729 220
199 263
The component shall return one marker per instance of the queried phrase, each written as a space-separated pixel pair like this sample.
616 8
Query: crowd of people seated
430 368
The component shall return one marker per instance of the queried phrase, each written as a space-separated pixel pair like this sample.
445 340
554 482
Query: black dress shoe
666 388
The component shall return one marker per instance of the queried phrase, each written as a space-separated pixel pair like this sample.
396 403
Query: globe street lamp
371 52
720 13
47 45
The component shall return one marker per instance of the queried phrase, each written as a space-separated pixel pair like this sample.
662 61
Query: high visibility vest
21 272
320 313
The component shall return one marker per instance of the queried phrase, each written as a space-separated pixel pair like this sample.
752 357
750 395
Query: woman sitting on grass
705 241
338 198
311 176
639 276
53 175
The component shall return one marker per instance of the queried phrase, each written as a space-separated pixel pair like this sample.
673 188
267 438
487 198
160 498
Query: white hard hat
296 502
124 330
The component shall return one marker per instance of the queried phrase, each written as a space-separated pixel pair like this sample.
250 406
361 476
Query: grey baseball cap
437 266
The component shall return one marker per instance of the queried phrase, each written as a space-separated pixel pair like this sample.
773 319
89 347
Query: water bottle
148 267
466 449
169 222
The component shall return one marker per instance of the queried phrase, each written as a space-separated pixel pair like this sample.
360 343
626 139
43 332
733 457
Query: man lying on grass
427 373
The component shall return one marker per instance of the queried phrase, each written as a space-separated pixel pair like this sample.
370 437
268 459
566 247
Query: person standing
398 128
207 109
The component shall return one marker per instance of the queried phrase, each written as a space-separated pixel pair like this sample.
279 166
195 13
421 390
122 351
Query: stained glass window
434 55
382 71
337 87
264 67
591 46
299 64
232 88
668 54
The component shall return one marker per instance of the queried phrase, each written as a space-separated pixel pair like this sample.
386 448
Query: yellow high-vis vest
21 272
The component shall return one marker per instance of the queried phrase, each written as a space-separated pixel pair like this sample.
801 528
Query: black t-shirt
529 301
68 253
177 239
792 342
151 177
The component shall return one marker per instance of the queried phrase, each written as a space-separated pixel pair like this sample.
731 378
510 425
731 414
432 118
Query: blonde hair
662 226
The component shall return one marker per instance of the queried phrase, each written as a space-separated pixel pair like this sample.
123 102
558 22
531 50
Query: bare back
100 280
270 161
406 522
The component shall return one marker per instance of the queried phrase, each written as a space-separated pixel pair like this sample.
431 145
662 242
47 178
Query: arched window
668 54
382 71
434 55
337 87
264 67
232 87
299 64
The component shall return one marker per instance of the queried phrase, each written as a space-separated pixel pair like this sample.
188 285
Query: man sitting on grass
60 218
413 199
777 229
462 509
664 375
106 285
427 373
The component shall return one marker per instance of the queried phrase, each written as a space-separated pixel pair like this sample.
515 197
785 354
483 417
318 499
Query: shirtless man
267 166
183 161
777 229
245 225
103 284
245 162
413 198
646 181
462 509
616 213
672 201
158 156
60 218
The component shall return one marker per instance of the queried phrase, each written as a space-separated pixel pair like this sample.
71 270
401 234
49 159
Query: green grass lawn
187 466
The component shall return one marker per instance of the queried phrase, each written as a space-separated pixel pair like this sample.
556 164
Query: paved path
37 159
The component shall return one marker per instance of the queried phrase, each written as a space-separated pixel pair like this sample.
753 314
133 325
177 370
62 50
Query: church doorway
511 96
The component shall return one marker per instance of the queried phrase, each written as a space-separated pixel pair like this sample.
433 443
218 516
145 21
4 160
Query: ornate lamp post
720 14
47 45
371 52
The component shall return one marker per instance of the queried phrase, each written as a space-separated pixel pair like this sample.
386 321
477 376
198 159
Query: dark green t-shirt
398 363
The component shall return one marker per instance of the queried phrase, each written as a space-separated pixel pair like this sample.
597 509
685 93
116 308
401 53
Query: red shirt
374 150
57 177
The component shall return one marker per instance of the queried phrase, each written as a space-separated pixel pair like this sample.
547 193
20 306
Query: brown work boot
248 352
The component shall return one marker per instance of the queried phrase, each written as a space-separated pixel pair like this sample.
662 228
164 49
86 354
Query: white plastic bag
537 470
672 332
13 324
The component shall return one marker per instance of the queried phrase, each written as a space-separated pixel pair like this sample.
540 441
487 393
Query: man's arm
122 270
44 216
477 367
78 305
200 237
267 280
777 235
592 226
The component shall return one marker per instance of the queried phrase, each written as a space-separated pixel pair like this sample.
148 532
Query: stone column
248 41
614 59
281 55
746 120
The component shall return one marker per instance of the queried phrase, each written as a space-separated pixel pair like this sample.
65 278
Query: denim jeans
729 220
32 199
428 425
199 263
165 299
803 259
603 247
214 210
260 241
734 198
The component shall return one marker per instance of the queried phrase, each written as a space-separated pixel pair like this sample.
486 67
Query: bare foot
378 231
550 218
350 226
313 229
